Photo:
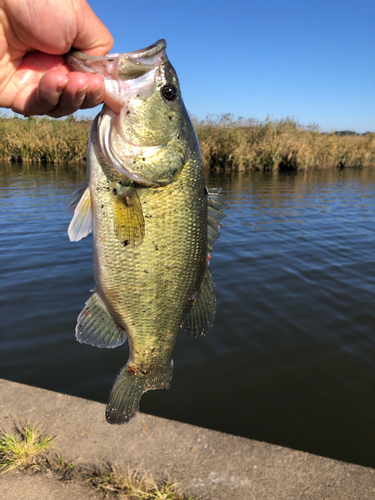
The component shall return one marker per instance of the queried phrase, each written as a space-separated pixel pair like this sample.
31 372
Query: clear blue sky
310 60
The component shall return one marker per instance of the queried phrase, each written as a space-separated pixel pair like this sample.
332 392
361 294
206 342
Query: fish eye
169 92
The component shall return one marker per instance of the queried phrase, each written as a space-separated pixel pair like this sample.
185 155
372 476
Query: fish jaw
131 73
126 66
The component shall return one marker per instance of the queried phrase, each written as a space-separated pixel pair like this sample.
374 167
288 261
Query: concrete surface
207 464
20 486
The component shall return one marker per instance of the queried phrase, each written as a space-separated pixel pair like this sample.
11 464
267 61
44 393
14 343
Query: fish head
144 129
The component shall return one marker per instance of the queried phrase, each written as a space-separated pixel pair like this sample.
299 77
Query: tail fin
128 388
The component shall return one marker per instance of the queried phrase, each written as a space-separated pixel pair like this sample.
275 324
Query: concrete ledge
208 464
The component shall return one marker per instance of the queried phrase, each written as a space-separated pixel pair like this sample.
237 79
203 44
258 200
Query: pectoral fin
201 313
96 327
128 220
81 224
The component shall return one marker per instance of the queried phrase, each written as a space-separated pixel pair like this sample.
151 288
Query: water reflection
291 357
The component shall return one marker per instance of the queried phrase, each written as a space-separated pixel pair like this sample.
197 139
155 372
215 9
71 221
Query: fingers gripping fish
153 221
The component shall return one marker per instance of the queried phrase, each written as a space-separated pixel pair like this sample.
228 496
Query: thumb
93 37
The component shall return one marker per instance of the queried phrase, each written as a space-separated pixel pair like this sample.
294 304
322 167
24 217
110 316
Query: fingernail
60 87
97 91
81 92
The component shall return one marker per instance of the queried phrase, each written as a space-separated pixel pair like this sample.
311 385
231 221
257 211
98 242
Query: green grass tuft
27 448
62 464
132 485
24 448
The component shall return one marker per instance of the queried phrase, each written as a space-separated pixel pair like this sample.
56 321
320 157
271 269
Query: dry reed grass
44 140
225 143
271 145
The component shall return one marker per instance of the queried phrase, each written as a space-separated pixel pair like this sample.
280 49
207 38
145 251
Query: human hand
34 35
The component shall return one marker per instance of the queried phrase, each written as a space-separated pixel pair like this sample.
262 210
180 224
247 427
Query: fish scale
133 294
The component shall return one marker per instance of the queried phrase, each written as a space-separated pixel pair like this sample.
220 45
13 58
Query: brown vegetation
43 139
225 143
269 145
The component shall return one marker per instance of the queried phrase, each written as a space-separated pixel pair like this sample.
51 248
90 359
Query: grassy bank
43 139
28 450
225 144
269 145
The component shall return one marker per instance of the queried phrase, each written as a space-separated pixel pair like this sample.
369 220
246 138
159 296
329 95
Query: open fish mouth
131 78
125 66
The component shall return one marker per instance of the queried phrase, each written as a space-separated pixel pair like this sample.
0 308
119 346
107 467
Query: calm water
291 357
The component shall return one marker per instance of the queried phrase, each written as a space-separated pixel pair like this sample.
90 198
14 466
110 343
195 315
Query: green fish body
153 220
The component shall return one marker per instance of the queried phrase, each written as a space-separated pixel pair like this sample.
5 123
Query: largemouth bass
154 222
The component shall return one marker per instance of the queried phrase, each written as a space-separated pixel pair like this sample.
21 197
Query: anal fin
96 327
128 220
201 312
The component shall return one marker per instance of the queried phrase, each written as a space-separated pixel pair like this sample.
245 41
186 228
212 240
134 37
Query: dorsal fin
76 196
81 224
202 307
215 207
